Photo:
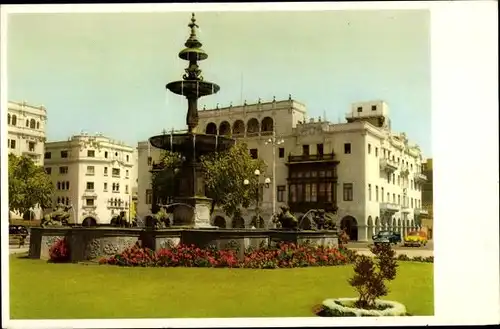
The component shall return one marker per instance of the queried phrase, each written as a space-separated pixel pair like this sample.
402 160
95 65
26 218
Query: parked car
18 230
387 237
416 239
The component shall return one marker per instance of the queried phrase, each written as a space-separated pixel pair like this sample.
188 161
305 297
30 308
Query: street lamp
274 143
267 181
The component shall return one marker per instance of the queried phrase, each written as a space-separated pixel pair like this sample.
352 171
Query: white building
95 174
26 133
366 173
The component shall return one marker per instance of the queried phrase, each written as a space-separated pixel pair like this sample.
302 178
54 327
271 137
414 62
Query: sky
107 72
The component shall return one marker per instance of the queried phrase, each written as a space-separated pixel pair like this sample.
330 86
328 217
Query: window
292 191
305 149
369 192
393 197
376 193
382 193
393 178
126 173
399 180
128 158
319 149
106 154
411 202
388 197
63 170
32 123
8 118
89 202
150 160
105 171
12 143
149 196
399 199
58 185
254 153
105 187
281 152
376 151
369 148
90 186
115 172
64 154
67 185
31 146
38 125
47 155
27 123
116 187
314 192
91 153
90 170
126 189
347 148
281 193
48 170
14 120
374 107
348 195
359 109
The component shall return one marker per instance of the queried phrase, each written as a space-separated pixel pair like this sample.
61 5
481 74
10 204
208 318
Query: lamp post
274 143
267 181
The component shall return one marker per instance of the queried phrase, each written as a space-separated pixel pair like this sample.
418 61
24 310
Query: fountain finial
193 41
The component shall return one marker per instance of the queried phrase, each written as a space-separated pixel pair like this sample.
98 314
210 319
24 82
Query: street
426 251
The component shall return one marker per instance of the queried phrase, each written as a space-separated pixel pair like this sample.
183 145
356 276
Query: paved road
364 245
410 253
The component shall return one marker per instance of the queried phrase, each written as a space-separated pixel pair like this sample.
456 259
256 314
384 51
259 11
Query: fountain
193 208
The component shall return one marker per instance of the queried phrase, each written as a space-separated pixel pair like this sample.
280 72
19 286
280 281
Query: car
18 230
415 239
386 237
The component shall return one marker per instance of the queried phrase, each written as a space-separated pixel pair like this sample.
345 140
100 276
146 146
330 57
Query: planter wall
337 308
95 243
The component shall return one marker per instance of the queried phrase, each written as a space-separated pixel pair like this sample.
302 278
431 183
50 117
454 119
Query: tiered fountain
192 207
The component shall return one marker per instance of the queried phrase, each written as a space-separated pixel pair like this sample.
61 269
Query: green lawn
39 290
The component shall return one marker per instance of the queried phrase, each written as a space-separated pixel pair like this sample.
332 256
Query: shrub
284 255
369 276
343 239
403 257
59 252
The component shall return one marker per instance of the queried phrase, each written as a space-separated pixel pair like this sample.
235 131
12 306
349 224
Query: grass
41 290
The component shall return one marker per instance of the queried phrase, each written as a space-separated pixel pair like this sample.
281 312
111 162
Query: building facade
427 198
94 174
367 175
26 135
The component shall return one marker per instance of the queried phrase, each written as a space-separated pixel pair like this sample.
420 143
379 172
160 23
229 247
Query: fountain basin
201 143
193 87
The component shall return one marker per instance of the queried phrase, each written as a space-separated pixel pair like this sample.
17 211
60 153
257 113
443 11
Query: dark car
387 237
18 230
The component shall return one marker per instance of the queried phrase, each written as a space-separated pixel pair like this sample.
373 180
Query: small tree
29 185
163 180
225 173
369 276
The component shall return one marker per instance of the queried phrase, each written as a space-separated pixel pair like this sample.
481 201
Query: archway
224 128
238 222
29 215
211 129
350 226
377 225
89 221
257 223
252 126
267 125
220 222
370 226
238 127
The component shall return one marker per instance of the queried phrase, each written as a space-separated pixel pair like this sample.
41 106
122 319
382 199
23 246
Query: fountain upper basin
193 87
201 143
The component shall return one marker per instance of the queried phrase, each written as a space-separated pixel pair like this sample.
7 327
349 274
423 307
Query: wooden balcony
311 158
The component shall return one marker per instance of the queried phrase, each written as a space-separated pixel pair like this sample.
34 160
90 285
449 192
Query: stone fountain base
193 212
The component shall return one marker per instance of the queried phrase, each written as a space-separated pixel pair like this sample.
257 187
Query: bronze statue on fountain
193 207
58 217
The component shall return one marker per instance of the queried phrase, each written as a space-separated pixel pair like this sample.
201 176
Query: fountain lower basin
186 142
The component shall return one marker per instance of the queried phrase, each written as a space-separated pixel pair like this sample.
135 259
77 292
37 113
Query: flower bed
59 252
285 255
345 307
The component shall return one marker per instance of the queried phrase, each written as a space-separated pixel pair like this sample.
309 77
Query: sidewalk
16 250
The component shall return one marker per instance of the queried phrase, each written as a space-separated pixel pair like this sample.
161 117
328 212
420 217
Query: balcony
89 207
405 209
89 194
388 165
419 177
389 207
420 211
309 158
89 173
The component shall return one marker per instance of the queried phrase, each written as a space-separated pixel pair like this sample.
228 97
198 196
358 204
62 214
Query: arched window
14 120
8 118
211 129
238 127
224 128
32 124
67 185
38 125
267 124
253 126
27 123
58 187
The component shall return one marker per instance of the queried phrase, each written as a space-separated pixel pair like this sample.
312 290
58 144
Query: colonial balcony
420 178
405 209
311 158
420 211
387 207
388 165
89 194
89 207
